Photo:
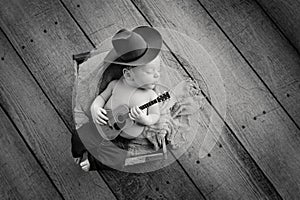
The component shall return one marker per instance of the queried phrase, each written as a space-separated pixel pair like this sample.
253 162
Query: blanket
174 121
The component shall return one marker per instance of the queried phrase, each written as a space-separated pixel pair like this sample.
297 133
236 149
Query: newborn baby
134 89
137 54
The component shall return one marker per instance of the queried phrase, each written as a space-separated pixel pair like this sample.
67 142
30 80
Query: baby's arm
97 110
142 117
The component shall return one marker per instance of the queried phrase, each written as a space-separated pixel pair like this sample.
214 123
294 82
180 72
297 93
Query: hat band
133 55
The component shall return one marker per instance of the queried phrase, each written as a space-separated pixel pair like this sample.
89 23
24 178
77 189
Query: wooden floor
255 45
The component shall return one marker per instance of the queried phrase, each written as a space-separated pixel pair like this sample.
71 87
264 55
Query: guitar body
119 120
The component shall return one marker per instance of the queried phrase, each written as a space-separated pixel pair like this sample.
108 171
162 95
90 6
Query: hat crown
125 41
133 48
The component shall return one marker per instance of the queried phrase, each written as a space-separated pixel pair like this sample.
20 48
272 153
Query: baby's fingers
133 112
137 110
103 116
130 116
102 113
103 110
100 121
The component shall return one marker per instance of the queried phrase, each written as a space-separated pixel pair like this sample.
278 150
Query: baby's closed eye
149 72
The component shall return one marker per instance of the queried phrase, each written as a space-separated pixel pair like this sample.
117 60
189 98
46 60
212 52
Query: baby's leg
81 156
77 147
79 152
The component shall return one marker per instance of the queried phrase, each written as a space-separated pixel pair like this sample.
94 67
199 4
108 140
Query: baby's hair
129 67
113 72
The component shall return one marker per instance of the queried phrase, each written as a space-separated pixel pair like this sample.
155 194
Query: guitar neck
162 97
150 103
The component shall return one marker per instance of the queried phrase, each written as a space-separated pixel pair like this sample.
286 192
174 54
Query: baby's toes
85 168
77 160
85 165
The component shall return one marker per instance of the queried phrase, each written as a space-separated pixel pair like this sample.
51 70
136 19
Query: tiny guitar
118 119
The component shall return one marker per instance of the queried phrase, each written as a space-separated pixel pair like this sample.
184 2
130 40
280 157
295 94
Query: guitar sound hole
116 126
120 118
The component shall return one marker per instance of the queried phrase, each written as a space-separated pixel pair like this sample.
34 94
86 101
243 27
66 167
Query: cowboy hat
137 47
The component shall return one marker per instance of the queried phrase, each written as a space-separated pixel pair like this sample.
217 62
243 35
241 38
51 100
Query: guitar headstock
163 97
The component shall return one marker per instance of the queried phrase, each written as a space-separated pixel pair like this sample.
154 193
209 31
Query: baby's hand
138 115
99 115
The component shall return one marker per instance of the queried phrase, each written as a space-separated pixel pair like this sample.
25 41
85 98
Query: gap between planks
57 112
250 65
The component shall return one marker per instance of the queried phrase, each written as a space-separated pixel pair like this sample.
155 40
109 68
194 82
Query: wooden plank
47 54
21 175
271 56
166 183
257 120
43 130
216 175
286 14
37 27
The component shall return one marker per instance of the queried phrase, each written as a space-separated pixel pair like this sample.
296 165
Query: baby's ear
126 73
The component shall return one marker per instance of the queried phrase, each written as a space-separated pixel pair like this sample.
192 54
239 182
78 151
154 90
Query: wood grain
286 14
46 37
214 176
18 165
270 137
167 183
43 130
47 54
270 55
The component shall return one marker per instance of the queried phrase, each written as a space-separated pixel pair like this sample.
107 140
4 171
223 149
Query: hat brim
153 39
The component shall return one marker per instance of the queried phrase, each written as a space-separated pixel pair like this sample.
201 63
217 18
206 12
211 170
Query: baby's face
147 76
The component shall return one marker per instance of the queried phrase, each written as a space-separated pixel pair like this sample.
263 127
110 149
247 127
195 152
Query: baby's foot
85 165
83 162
